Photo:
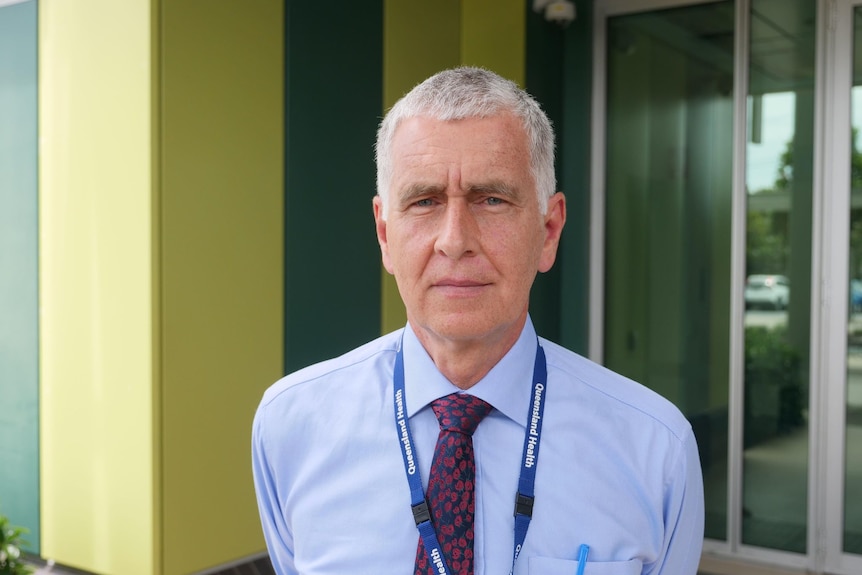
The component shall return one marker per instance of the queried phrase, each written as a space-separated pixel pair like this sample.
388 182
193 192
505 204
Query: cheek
406 253
517 250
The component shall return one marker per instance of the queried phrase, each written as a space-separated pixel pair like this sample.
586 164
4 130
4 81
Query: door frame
836 63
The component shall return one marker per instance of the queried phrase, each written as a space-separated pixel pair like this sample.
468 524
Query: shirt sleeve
683 515
279 540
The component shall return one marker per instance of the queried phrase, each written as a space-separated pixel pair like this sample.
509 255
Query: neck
466 362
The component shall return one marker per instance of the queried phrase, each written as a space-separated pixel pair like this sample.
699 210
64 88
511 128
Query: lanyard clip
523 505
421 514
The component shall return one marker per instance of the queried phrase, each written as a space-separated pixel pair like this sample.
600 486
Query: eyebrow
415 191
497 188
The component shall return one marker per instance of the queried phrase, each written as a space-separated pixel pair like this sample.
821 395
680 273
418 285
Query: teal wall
333 99
19 367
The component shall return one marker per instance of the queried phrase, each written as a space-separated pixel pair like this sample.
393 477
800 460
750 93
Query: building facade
185 186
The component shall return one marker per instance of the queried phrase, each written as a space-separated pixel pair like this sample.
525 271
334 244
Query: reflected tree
767 250
767 246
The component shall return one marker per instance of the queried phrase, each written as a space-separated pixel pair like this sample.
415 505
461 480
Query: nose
458 230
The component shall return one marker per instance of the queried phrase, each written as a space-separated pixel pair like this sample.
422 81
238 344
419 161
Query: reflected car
767 291
855 296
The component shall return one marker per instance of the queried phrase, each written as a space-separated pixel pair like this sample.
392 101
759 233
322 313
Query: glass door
727 254
668 192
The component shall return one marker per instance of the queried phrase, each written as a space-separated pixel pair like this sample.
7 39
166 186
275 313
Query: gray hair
469 92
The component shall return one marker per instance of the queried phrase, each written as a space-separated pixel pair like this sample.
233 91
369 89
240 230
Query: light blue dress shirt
618 467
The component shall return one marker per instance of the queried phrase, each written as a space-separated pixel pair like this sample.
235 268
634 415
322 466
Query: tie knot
460 412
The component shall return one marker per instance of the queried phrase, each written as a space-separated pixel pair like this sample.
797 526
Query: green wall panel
19 367
573 164
333 61
558 74
543 79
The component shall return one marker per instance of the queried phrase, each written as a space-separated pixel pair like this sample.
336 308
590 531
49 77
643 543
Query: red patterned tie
450 485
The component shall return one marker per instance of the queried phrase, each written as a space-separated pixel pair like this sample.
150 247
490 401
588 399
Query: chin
466 328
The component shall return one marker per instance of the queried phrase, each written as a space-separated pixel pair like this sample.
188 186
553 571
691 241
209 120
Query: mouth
459 283
456 287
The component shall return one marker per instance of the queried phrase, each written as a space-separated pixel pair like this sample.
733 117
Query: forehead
496 144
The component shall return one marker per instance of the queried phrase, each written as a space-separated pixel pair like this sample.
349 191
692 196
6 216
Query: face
464 236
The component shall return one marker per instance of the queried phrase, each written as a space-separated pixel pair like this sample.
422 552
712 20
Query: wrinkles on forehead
416 191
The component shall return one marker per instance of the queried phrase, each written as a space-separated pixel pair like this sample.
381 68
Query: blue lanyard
526 484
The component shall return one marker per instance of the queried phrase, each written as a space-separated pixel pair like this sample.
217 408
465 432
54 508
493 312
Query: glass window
779 176
668 218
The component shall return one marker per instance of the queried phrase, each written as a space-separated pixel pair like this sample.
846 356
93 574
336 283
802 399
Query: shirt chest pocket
546 566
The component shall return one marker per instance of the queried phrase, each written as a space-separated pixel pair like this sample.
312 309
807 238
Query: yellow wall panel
419 39
161 264
493 36
222 158
96 323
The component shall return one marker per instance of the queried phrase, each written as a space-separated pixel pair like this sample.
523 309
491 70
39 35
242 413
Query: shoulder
354 367
611 392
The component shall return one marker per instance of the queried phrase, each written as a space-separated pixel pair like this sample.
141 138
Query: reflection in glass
853 437
669 187
779 176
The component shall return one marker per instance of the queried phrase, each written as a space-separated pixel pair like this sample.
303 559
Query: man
570 469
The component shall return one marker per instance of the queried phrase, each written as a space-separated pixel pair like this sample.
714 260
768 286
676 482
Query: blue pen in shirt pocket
583 553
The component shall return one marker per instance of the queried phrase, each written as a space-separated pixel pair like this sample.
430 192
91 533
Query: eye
425 203
492 201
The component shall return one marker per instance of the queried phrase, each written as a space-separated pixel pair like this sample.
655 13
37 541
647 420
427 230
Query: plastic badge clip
421 514
524 505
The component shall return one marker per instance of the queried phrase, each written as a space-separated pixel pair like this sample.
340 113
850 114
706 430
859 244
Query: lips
459 283
457 288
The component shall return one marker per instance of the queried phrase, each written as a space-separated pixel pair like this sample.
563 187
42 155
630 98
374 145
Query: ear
555 219
380 225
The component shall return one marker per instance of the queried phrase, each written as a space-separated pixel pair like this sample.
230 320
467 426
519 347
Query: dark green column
559 75
544 80
574 168
334 100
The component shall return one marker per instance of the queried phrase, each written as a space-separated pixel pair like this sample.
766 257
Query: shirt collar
507 386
